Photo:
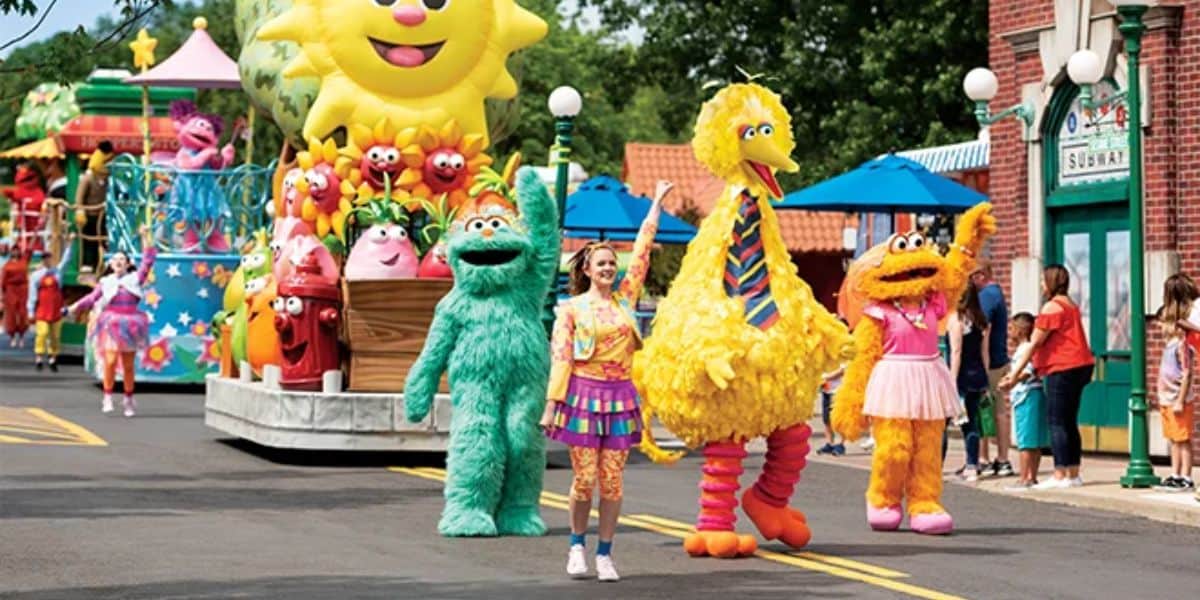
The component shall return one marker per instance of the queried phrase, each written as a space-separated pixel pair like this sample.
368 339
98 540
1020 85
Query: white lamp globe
565 102
980 84
1084 67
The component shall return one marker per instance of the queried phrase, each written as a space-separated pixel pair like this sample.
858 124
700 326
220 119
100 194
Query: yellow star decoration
419 66
143 50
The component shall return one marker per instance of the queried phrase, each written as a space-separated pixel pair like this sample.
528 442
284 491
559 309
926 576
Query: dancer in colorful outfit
122 329
46 306
592 405
14 281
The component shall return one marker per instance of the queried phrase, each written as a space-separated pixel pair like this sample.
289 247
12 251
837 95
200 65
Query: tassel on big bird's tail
650 447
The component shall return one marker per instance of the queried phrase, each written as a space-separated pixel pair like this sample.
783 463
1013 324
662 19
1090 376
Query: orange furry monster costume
897 377
740 344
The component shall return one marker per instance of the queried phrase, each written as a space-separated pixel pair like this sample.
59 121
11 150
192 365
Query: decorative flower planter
386 324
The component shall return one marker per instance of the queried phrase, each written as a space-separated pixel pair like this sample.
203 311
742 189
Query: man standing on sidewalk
991 299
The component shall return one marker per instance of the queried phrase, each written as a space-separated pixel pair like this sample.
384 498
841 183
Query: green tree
861 77
616 107
171 24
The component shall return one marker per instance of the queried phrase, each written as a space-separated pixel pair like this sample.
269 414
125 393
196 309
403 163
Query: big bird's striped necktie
746 266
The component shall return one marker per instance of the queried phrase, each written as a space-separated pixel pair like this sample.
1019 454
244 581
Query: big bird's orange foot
719 544
782 523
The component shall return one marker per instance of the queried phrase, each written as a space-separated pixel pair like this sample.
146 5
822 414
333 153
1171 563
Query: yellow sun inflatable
414 61
441 162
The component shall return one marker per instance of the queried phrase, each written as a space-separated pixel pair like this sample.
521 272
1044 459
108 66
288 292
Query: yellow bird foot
719 544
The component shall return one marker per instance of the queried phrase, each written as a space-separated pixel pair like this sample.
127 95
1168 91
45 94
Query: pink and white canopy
199 63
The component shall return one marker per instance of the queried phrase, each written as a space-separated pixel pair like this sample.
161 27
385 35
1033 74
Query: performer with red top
46 305
14 282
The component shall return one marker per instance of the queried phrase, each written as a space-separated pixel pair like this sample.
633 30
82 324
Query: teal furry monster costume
488 333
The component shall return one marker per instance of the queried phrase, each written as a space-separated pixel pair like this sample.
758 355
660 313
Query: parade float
199 205
65 125
382 109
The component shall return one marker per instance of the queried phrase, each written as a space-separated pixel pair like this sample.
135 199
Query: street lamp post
565 104
1085 68
981 86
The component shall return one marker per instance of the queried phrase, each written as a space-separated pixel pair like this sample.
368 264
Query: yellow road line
810 561
51 433
825 558
84 436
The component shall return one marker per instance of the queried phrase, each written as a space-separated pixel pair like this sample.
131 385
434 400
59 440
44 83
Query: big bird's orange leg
925 512
767 502
714 534
889 471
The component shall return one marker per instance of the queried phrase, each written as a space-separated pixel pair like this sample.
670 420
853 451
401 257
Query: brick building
1060 187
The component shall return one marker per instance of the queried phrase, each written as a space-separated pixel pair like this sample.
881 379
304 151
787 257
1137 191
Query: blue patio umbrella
889 184
603 209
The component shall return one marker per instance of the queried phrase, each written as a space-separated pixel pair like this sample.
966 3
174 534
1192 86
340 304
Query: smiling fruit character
384 251
262 340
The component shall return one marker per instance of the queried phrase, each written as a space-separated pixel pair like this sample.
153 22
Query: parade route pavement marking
35 426
835 566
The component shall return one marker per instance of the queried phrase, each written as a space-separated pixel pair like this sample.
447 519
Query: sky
66 15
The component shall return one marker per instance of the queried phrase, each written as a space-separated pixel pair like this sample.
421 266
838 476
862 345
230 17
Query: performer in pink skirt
121 329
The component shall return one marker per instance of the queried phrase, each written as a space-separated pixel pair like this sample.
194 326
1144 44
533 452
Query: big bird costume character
740 344
897 377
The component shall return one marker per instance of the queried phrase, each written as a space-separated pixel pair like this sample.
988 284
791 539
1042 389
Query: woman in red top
1062 358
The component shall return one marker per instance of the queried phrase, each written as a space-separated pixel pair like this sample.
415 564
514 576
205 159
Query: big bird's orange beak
764 157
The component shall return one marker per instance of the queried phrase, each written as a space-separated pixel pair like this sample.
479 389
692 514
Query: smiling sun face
417 61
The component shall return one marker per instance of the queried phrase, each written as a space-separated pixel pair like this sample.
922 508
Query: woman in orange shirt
1062 358
591 404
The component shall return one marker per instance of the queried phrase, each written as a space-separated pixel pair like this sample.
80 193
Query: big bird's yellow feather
705 372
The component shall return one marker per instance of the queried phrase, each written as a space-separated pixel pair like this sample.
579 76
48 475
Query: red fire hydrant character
306 315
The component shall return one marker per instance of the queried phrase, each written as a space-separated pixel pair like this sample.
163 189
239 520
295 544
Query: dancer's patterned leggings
110 371
597 465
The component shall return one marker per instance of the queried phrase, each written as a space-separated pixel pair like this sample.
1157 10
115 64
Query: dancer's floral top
596 339
120 294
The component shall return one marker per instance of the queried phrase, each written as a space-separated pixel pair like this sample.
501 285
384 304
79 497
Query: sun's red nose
408 15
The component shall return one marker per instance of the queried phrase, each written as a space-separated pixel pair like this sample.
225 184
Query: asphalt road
169 509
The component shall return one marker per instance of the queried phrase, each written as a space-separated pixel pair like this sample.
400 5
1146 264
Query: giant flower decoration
324 208
157 355
442 161
152 298
211 354
371 159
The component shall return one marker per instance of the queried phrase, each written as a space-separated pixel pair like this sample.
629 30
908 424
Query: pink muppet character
297 251
198 203
288 222
382 252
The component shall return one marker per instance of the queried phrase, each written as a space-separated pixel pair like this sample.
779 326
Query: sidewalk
1101 490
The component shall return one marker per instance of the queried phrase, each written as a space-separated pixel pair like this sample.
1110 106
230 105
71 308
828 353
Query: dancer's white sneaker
577 566
106 405
129 405
606 570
